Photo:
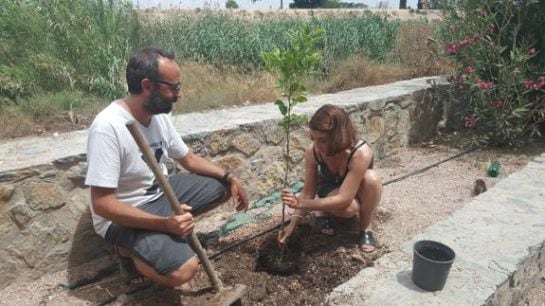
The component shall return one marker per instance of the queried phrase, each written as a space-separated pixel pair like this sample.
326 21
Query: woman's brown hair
336 123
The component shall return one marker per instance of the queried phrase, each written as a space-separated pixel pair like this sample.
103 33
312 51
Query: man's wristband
225 177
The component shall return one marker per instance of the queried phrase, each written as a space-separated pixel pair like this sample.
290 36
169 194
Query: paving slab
499 241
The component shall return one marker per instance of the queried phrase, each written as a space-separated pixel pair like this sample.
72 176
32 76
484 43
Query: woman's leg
345 213
369 196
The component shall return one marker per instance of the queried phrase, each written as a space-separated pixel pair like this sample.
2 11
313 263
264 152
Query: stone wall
45 222
529 272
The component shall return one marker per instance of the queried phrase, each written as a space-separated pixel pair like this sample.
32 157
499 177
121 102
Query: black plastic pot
431 264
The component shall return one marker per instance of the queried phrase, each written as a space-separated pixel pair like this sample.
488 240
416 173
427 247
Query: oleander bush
498 50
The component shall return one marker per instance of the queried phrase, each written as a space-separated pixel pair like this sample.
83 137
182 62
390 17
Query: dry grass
416 52
14 123
359 71
206 87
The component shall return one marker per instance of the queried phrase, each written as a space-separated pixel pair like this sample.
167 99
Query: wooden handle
173 200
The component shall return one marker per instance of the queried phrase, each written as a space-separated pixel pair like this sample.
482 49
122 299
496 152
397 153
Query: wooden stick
173 200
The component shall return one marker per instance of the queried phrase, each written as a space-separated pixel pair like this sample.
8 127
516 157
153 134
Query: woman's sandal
367 239
325 224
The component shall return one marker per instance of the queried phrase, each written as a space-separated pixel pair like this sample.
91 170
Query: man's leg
202 193
174 279
180 276
161 257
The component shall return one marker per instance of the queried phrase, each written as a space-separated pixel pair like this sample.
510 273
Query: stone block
6 191
246 144
269 132
21 213
231 162
375 129
44 196
218 142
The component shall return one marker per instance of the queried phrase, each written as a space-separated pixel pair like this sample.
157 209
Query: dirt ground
407 208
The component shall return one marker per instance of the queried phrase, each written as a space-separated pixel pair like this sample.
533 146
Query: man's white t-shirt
114 159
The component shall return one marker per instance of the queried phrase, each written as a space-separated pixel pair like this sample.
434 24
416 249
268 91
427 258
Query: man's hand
238 194
181 225
289 199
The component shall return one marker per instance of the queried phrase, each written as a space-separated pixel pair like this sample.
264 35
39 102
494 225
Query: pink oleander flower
491 30
500 103
541 82
453 48
532 50
470 121
528 84
465 41
470 69
485 85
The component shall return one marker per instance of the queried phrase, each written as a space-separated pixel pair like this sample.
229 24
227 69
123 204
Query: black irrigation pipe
248 238
429 167
269 229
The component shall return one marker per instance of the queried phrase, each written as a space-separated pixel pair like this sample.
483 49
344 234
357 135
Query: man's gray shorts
164 252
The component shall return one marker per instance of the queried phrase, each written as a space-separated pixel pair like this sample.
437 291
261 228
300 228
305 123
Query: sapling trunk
287 160
293 63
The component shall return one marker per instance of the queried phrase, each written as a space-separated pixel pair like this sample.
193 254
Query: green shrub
221 39
57 45
498 47
44 106
231 4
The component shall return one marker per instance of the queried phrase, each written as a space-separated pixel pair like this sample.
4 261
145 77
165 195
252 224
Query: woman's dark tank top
325 176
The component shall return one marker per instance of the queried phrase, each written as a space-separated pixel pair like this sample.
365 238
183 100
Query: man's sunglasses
174 87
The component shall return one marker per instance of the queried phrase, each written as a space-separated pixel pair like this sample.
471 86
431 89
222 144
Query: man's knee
184 273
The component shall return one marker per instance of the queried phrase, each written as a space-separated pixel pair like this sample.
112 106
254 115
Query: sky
247 4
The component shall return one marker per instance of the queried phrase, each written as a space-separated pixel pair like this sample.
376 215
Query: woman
339 170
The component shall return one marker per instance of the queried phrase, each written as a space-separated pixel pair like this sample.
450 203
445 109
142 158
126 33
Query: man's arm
199 165
106 204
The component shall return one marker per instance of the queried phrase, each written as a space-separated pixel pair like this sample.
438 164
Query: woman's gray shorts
164 252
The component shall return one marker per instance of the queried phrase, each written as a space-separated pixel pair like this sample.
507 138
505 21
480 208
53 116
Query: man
128 208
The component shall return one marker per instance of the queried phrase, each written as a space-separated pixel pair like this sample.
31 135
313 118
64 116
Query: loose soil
407 208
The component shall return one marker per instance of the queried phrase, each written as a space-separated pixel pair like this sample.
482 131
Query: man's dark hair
144 64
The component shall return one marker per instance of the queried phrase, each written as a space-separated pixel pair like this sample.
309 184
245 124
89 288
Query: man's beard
158 104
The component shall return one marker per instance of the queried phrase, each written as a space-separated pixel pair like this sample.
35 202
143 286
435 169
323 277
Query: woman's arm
347 192
309 187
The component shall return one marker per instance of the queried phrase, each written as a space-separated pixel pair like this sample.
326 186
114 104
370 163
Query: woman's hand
284 235
289 199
